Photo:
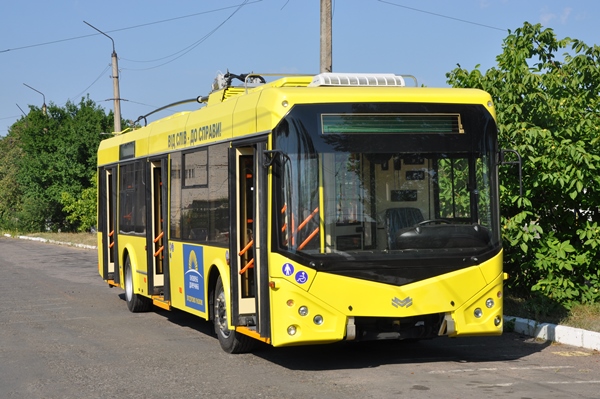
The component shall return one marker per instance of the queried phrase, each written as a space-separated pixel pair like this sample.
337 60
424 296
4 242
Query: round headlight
291 330
302 310
478 313
489 303
318 319
497 321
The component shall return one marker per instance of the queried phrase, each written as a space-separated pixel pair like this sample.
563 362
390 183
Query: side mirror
503 161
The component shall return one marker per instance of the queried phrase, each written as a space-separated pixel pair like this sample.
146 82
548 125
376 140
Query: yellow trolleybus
310 209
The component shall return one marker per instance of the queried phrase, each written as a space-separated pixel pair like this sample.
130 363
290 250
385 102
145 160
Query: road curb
40 239
556 333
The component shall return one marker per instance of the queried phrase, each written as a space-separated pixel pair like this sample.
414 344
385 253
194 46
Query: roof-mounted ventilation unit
358 79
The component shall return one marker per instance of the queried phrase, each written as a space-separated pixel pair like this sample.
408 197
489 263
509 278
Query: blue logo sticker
193 266
288 269
301 277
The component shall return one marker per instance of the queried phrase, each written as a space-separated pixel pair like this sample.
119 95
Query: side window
298 212
453 175
200 195
175 186
132 199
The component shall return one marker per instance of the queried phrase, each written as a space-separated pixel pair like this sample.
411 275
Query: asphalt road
65 334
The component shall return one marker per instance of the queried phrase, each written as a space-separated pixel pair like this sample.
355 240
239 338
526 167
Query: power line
91 84
127 28
9 117
144 104
192 46
443 16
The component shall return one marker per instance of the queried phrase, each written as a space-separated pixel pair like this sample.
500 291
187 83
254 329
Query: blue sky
171 50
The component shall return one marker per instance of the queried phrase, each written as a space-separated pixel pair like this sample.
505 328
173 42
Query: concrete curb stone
556 333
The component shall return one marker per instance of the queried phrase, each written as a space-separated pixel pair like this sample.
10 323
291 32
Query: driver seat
397 219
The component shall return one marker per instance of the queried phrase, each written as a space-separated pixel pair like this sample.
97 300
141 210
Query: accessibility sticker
301 277
288 269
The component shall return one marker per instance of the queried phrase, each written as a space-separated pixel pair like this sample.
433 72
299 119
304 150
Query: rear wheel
135 302
230 340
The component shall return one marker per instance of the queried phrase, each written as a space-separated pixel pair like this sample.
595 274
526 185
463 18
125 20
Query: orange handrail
308 218
247 247
111 233
310 237
249 265
159 251
162 233
295 230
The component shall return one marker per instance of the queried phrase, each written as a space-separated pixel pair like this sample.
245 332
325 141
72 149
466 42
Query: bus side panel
100 250
190 267
135 248
286 299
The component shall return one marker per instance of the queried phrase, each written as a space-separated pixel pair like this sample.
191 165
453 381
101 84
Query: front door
249 273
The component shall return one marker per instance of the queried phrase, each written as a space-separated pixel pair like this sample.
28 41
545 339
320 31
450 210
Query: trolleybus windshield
368 188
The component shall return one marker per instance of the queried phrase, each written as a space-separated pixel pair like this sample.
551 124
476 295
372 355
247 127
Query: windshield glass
383 180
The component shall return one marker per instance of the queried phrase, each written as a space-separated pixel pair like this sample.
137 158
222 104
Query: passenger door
156 233
108 217
249 271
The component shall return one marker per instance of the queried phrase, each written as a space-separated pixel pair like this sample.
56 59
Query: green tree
10 194
81 212
546 96
57 155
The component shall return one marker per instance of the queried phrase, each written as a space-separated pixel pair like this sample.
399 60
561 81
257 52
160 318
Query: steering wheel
431 221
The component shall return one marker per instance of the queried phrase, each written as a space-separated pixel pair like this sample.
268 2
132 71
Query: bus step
159 301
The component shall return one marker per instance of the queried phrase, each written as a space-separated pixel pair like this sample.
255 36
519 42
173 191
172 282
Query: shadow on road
350 355
347 355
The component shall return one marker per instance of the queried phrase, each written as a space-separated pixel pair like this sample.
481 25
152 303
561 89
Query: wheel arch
215 270
213 275
129 252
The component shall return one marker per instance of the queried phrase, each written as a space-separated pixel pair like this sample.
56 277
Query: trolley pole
115 76
326 62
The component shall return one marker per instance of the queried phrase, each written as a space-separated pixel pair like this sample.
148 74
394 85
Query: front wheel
231 341
135 303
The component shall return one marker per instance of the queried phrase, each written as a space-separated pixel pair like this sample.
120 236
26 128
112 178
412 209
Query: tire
135 303
231 341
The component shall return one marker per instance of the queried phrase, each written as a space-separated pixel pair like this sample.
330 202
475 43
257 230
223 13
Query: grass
544 310
532 307
76 238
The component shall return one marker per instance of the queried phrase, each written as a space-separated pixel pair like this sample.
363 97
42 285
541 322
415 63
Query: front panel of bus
385 223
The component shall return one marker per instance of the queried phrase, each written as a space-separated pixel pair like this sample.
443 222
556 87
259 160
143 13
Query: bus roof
241 111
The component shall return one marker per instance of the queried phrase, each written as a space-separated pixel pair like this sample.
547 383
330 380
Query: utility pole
326 36
115 76
44 109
